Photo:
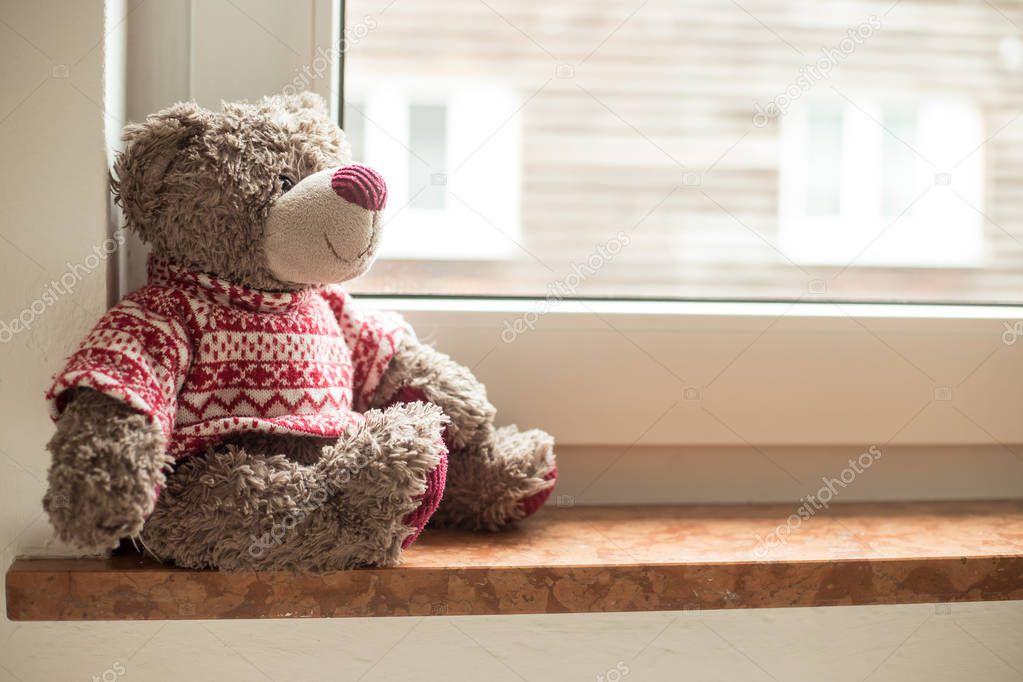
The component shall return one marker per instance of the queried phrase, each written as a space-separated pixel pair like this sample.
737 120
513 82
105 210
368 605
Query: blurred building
754 150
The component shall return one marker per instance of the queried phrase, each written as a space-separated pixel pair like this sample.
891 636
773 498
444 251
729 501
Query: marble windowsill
585 560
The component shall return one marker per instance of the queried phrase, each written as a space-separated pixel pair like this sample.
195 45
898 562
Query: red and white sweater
206 359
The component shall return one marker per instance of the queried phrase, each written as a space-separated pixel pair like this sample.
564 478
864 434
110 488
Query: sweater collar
164 273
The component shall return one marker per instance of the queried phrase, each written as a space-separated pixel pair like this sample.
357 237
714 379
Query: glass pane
898 170
428 142
824 139
769 149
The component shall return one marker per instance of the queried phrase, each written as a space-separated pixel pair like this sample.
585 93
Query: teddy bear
241 411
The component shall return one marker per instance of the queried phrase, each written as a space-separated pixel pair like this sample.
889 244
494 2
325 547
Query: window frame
688 373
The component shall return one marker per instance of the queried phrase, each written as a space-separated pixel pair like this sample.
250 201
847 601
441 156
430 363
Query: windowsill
584 560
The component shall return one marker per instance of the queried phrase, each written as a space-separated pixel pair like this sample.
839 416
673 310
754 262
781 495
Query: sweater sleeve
373 337
134 354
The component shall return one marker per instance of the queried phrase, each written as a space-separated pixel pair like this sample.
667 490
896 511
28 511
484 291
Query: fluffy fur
443 382
200 186
489 482
237 509
107 461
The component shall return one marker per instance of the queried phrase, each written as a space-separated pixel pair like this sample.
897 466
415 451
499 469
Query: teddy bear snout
361 186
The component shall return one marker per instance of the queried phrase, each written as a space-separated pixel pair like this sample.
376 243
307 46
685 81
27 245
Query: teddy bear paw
533 450
428 501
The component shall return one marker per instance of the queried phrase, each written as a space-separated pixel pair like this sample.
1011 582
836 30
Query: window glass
761 149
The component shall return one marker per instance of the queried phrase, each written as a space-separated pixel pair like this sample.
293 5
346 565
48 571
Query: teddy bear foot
414 465
539 446
365 500
504 481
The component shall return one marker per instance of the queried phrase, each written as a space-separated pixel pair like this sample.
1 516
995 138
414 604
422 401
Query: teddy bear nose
360 185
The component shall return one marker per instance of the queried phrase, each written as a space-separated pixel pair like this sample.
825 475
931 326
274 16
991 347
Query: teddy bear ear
149 150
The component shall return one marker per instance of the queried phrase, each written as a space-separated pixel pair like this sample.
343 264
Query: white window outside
875 183
452 153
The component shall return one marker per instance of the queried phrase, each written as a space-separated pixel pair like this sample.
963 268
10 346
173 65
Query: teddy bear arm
445 383
107 465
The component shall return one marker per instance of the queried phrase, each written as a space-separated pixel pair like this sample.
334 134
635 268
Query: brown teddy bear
241 411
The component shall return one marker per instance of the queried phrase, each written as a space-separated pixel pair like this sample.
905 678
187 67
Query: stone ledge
585 560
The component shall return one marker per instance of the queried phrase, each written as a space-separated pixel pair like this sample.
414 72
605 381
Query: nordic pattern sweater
207 359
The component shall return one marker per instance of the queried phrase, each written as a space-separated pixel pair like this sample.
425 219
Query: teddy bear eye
286 183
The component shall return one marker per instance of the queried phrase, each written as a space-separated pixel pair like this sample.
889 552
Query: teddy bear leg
498 482
362 502
496 476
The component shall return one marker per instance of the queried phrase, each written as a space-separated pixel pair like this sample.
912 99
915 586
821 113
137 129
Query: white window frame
628 373
687 374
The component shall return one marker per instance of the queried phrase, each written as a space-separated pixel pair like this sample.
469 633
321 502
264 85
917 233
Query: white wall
851 644
54 212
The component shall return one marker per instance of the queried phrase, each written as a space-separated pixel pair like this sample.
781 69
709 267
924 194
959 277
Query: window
428 133
749 150
858 186
553 166
450 157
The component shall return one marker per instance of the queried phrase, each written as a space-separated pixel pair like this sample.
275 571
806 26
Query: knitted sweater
207 359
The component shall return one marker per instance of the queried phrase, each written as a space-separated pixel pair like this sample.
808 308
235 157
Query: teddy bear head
264 195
